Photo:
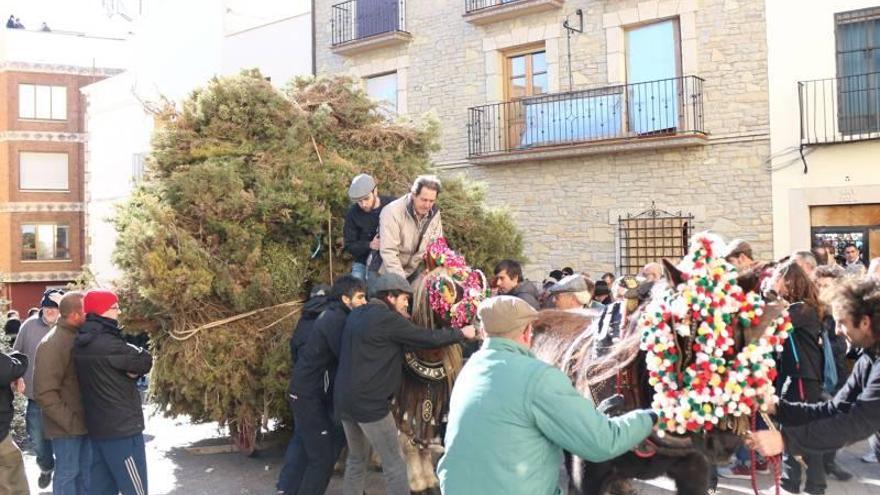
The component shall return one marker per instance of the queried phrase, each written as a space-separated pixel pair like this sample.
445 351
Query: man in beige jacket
406 227
56 390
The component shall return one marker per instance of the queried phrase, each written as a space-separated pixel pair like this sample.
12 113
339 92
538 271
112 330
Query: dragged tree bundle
241 211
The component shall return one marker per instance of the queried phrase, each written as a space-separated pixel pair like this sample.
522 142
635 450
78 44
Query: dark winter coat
12 367
104 362
318 360
360 228
527 292
852 415
371 360
310 312
56 388
802 357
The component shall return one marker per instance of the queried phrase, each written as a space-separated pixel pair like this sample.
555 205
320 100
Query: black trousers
323 439
792 472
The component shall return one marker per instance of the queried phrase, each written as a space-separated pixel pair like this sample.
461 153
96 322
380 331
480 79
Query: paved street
174 471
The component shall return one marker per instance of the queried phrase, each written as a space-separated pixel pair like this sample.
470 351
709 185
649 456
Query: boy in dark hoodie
107 369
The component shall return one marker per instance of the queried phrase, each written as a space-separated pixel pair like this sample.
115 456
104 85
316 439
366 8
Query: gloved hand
611 406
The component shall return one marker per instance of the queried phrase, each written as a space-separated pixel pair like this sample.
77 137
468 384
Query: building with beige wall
824 74
659 103
41 156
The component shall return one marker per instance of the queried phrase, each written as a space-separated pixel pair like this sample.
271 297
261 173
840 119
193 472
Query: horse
601 356
422 402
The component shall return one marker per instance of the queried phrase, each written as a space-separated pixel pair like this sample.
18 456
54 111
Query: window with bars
45 242
858 70
651 236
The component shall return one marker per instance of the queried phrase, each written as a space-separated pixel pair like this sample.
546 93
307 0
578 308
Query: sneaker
45 479
736 472
836 470
782 491
870 458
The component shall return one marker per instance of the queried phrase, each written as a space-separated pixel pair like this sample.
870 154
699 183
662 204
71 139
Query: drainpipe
314 44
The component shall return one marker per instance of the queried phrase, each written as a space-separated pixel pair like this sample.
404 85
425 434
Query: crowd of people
511 416
84 417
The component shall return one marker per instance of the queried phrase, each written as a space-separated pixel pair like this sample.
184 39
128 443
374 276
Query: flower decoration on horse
455 290
710 362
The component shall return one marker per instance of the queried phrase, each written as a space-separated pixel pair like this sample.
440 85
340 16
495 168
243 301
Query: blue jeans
41 445
73 461
119 465
291 475
359 270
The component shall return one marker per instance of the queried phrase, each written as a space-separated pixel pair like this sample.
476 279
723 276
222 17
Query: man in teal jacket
512 415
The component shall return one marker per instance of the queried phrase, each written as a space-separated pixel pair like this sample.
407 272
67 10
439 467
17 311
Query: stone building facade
692 139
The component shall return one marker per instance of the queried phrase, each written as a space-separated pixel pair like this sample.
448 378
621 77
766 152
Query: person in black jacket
12 475
293 468
310 388
107 369
854 412
801 368
510 282
360 233
370 371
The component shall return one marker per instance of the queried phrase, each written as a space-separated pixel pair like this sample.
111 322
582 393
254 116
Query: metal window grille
652 235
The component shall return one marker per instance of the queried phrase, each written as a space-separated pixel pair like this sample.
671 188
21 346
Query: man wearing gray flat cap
369 374
360 234
574 293
511 415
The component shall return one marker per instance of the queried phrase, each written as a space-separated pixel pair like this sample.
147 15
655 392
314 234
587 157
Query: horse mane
554 331
620 355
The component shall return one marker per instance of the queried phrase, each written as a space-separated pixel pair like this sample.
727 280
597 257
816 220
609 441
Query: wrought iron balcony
841 109
482 12
664 108
356 20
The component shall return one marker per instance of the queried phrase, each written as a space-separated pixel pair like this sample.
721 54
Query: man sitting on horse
512 415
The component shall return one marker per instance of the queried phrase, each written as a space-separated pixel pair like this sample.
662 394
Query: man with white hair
806 261
574 293
652 272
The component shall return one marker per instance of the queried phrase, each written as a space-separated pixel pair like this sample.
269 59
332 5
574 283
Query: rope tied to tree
182 335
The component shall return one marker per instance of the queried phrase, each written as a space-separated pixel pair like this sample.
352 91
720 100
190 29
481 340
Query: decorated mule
699 350
446 296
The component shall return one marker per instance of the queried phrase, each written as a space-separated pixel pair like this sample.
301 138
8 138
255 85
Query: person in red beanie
107 369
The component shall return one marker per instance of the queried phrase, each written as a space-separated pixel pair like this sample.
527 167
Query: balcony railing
841 109
360 19
667 107
471 6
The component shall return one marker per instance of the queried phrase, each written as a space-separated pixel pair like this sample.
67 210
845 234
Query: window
652 69
138 161
650 236
42 102
858 70
43 171
383 89
45 242
526 74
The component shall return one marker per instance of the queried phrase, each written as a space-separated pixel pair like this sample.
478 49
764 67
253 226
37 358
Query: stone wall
567 207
